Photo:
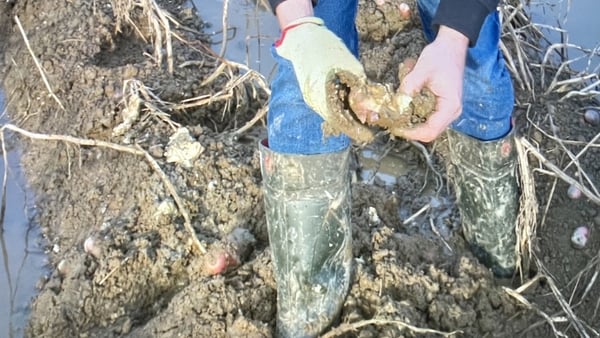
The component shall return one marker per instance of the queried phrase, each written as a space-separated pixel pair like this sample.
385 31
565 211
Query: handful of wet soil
391 110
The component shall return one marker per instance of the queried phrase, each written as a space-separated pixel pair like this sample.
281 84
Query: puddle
579 20
22 260
382 170
252 29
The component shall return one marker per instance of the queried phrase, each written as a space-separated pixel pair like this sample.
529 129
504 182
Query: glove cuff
299 22
303 20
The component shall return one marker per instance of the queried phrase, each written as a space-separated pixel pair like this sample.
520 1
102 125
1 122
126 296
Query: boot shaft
484 177
291 172
307 206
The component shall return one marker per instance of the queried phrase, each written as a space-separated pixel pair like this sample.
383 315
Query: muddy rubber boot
484 177
307 204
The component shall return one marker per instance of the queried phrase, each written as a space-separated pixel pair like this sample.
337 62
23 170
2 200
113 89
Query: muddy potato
93 247
229 253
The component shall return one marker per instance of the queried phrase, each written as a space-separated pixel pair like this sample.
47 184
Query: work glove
318 57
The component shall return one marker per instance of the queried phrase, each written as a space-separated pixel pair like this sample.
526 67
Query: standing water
252 29
574 24
21 256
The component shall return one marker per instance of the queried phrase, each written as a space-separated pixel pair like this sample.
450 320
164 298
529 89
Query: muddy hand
443 77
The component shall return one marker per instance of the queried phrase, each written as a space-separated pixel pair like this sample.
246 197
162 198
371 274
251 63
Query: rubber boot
484 177
307 204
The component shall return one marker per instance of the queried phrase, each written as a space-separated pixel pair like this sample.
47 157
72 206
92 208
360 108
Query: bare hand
440 68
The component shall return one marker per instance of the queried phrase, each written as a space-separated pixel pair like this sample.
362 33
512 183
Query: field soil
141 174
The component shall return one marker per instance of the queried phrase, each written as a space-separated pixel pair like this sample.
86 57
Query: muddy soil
123 260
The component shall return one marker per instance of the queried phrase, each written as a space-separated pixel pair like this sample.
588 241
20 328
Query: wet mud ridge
149 188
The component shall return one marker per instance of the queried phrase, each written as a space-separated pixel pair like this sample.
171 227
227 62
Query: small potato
573 192
580 237
592 117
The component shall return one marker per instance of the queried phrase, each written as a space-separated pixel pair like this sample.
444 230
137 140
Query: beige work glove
317 56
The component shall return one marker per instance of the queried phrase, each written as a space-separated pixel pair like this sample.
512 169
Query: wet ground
127 263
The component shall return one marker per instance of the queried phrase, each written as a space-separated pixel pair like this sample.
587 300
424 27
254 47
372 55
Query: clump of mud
390 110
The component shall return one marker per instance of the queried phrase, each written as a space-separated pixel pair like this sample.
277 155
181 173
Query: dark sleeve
465 16
274 4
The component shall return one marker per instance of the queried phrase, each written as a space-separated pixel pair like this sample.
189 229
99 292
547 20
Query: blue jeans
488 94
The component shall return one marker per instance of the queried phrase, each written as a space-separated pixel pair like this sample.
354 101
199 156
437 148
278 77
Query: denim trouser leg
292 126
488 95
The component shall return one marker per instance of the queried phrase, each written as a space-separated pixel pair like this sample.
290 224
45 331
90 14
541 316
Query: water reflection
21 256
252 31
579 20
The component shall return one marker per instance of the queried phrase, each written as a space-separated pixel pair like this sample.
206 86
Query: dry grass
239 77
158 23
519 41
38 64
527 52
138 99
528 212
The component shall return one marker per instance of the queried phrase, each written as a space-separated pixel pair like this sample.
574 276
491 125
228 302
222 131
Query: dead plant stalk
528 211
344 328
4 181
38 64
558 172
